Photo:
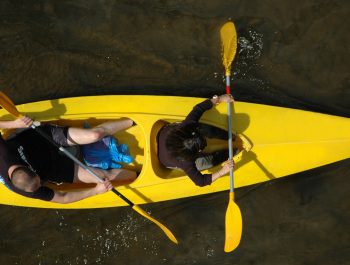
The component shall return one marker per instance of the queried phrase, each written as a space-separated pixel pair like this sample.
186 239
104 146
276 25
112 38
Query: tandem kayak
286 141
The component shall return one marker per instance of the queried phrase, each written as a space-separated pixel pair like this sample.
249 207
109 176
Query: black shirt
188 166
30 149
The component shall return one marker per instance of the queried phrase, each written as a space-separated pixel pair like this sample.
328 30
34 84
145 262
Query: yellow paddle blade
229 45
8 105
165 229
233 225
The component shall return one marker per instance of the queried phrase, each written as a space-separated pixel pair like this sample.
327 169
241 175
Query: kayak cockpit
132 137
167 173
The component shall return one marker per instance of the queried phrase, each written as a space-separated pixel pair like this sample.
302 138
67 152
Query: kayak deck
286 141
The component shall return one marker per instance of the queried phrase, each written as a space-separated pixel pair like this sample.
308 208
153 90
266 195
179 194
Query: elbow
61 198
64 202
202 184
202 180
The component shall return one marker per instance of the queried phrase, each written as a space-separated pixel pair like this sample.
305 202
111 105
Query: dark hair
23 178
185 142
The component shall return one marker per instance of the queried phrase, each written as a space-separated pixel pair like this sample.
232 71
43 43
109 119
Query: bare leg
91 135
114 175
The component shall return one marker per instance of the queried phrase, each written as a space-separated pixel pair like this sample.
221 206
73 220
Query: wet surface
290 53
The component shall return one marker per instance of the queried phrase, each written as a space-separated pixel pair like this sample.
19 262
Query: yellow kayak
286 141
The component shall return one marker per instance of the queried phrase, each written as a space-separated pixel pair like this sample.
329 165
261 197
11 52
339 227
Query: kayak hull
286 141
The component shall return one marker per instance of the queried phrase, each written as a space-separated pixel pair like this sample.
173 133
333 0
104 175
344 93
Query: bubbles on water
249 49
251 45
96 240
210 251
247 64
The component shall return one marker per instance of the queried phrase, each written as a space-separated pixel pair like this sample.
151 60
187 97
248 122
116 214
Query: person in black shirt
181 145
28 161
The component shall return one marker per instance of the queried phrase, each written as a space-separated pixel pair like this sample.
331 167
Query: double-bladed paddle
7 104
233 219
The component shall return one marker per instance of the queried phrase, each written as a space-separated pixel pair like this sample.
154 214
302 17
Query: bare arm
223 171
73 196
22 122
202 180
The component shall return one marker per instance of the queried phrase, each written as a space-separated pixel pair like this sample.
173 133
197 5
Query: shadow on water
290 53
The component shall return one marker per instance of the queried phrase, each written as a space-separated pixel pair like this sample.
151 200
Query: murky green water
291 53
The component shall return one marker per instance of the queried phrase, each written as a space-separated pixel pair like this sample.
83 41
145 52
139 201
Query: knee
96 134
133 175
127 123
130 122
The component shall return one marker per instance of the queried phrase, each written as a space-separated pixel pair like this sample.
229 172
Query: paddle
233 219
7 104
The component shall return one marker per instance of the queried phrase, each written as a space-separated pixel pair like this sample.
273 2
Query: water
290 53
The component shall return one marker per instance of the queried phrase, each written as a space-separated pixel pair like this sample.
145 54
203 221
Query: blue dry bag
106 153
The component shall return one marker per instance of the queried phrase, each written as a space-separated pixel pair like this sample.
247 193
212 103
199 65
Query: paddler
28 161
181 145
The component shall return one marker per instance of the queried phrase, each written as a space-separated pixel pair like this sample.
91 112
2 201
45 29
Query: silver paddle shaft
229 122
